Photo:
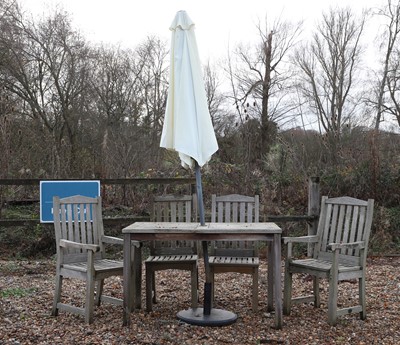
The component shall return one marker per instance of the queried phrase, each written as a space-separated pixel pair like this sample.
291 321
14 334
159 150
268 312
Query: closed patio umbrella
187 124
189 131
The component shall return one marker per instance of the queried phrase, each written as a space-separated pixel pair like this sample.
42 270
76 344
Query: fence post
313 207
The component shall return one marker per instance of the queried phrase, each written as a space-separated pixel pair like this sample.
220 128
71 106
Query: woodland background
285 109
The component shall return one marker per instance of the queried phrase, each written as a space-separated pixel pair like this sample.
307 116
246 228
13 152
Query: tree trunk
265 123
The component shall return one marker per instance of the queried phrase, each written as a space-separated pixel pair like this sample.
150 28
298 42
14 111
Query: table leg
127 275
270 281
277 280
137 276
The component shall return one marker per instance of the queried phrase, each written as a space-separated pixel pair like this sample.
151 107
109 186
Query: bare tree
7 108
154 87
116 104
44 64
260 78
389 82
7 103
328 69
393 84
217 99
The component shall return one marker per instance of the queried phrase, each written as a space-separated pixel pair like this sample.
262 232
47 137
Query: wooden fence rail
106 181
311 218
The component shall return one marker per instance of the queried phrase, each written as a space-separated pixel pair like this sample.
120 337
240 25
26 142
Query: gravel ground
26 293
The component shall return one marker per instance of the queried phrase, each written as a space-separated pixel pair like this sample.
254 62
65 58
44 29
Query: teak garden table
151 231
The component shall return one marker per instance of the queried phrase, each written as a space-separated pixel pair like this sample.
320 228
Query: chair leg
149 288
194 283
255 290
212 280
90 283
153 286
332 299
57 294
317 300
197 285
361 296
287 292
99 291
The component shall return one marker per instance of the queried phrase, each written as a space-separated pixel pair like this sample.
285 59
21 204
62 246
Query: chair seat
101 265
171 258
321 265
234 260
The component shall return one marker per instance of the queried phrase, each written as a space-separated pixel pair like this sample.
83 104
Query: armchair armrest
70 244
136 244
120 241
300 239
351 245
112 240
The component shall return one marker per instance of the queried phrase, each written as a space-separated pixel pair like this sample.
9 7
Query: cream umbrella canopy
187 124
189 131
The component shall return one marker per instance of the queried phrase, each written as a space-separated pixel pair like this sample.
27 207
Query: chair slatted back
343 220
78 218
235 208
172 208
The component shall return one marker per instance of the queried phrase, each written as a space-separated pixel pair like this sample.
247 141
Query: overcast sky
219 23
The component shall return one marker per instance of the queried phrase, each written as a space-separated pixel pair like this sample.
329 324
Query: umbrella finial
181 20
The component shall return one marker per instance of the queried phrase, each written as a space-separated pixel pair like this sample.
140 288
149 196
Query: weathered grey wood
128 282
313 208
269 232
339 253
171 254
194 231
80 252
235 256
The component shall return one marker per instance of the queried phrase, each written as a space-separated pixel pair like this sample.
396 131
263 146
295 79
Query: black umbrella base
217 317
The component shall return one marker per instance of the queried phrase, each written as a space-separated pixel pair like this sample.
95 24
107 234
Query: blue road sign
48 189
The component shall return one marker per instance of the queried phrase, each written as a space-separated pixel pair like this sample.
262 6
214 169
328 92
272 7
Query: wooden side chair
339 253
235 256
80 243
177 255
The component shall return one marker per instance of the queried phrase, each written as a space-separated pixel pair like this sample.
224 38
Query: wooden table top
196 228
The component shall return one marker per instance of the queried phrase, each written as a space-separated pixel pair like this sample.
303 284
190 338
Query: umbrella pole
200 202
205 316
199 190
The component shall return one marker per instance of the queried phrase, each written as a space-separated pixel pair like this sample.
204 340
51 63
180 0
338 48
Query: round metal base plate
217 317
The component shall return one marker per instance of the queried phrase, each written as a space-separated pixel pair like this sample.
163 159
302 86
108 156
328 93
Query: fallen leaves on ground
26 295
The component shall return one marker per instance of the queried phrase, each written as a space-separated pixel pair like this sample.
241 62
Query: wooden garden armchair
339 252
80 243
